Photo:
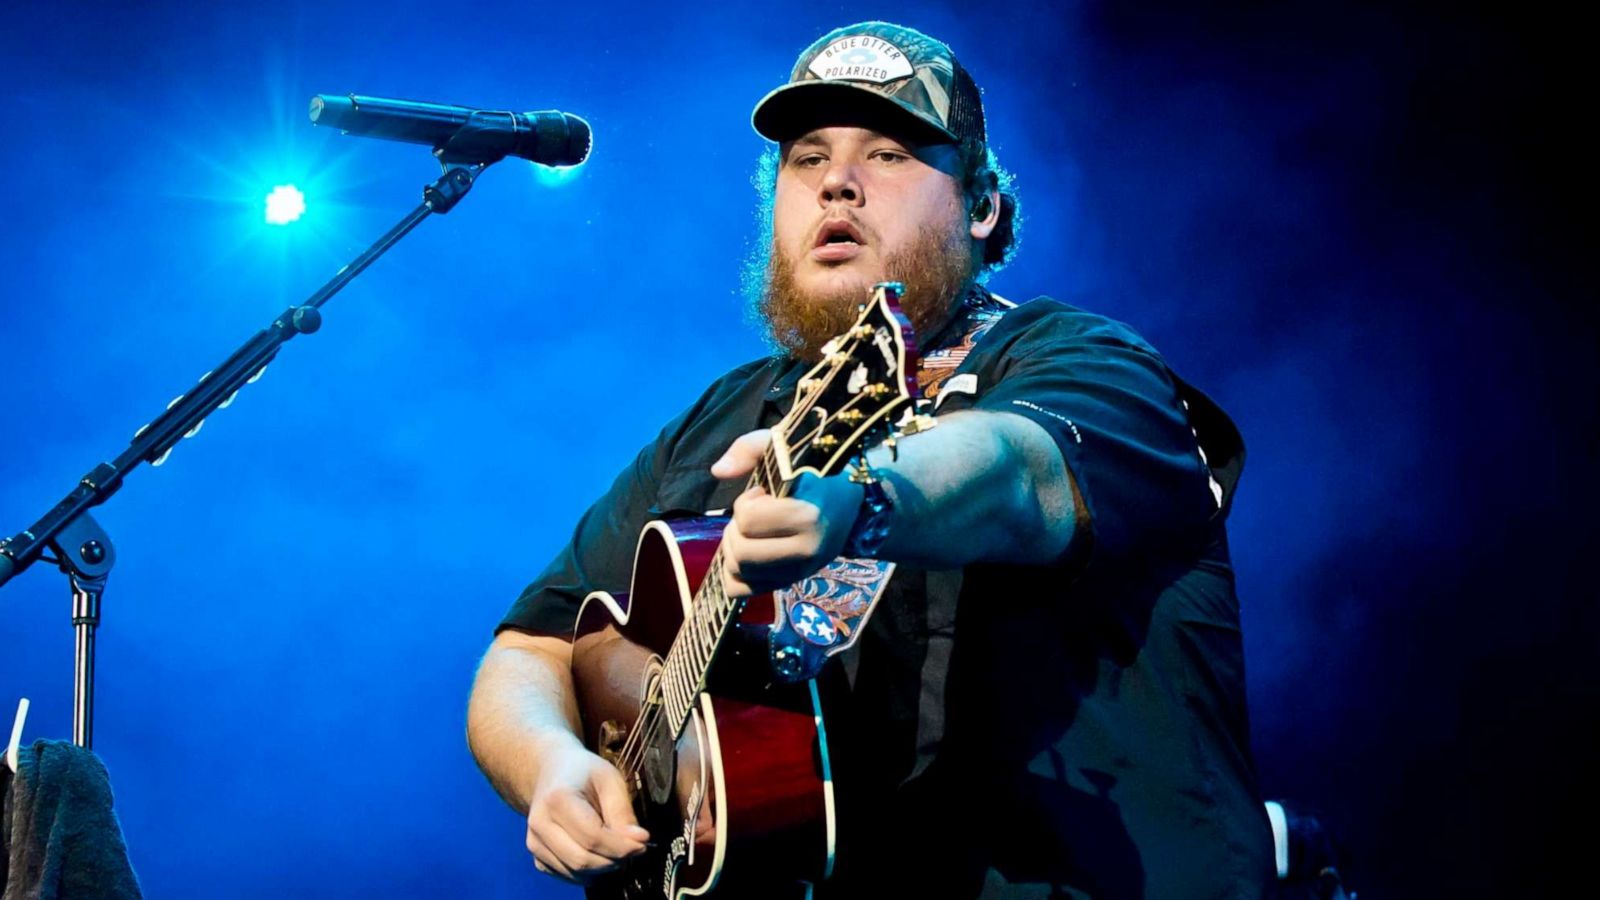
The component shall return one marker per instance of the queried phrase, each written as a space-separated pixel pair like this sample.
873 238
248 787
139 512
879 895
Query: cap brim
794 109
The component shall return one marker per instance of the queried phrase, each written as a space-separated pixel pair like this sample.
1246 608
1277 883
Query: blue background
1355 226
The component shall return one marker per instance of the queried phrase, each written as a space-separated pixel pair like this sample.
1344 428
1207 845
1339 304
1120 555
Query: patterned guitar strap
824 615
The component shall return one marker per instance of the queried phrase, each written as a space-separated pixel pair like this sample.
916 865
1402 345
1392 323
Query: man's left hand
772 542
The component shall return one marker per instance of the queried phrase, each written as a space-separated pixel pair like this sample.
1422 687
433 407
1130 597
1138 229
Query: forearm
522 704
982 486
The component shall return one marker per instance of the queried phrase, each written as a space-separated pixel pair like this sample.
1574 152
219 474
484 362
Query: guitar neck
710 619
865 375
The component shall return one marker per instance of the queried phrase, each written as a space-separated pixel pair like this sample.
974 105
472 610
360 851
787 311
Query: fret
699 654
678 706
685 675
686 678
814 439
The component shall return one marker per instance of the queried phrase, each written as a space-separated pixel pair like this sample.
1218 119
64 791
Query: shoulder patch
965 383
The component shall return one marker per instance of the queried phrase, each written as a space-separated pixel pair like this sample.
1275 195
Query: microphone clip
447 191
480 141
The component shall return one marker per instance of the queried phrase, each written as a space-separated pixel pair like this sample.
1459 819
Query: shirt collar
789 370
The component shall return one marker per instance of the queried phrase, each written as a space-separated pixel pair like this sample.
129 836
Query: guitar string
647 725
812 435
675 694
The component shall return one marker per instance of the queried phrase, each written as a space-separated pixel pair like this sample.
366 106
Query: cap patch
860 57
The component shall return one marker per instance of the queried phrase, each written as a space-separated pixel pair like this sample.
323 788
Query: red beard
935 270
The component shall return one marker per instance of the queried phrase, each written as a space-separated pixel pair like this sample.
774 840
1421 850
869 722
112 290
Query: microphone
459 134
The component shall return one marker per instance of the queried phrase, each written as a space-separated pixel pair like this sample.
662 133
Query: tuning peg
861 473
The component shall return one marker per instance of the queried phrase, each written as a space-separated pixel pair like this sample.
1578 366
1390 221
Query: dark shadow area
1386 203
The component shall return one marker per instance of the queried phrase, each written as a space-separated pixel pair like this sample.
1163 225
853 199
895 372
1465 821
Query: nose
841 183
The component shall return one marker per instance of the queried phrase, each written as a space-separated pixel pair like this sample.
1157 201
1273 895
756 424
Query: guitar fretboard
849 394
711 614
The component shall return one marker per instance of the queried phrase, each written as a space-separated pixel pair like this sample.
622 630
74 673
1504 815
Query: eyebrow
811 139
808 139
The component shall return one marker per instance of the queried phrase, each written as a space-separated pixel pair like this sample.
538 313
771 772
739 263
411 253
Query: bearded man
1049 699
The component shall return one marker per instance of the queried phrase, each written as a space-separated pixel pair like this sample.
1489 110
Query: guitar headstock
865 385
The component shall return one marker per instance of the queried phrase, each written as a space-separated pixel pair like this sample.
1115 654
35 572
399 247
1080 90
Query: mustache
936 268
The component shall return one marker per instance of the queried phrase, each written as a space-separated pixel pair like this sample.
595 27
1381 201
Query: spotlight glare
556 176
285 204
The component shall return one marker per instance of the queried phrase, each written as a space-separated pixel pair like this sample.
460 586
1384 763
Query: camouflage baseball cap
871 71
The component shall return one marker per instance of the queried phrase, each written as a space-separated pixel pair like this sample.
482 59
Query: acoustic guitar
706 703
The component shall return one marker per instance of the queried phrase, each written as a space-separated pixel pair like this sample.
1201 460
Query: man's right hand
580 821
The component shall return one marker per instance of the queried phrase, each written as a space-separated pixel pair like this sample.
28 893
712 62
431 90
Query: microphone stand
81 548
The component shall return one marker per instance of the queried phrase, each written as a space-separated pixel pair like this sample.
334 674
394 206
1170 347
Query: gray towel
60 837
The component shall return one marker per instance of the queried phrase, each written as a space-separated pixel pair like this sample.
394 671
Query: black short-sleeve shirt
1076 729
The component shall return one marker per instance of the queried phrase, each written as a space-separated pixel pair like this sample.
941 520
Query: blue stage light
285 204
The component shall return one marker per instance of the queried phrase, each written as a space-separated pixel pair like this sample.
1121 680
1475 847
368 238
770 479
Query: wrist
873 519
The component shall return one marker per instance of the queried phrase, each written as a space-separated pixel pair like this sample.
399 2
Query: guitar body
741 803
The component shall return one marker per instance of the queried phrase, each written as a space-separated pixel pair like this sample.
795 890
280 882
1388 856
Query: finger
761 515
733 585
764 557
581 864
544 860
582 824
766 530
755 565
616 807
742 455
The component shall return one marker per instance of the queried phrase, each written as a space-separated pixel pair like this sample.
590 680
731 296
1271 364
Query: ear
985 215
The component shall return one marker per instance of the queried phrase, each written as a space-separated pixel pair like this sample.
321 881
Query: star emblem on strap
813 624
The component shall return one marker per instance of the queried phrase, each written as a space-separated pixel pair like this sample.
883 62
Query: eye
808 161
891 156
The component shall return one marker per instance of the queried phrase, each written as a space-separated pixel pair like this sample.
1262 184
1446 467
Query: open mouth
838 231
837 240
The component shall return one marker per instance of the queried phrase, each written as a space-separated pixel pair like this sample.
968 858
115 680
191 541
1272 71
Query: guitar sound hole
659 764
